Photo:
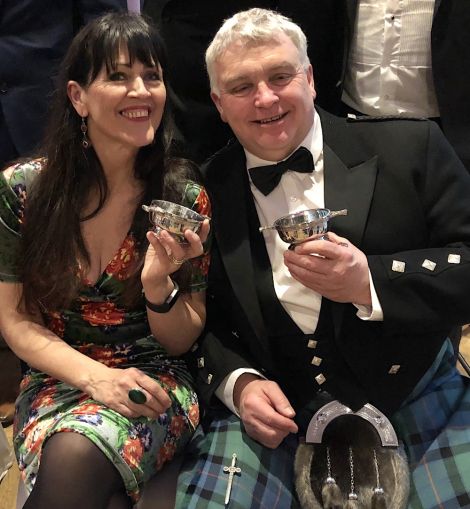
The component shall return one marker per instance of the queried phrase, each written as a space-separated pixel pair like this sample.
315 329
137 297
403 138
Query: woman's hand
165 254
111 387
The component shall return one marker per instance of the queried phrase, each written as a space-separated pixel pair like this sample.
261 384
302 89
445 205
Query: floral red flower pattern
203 204
56 323
165 454
169 381
102 313
132 452
203 264
103 354
45 398
177 425
193 415
122 265
87 409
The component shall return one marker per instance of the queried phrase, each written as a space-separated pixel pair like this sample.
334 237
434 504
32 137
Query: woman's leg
74 473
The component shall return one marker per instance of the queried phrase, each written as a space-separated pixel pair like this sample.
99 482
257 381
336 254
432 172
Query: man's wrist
242 381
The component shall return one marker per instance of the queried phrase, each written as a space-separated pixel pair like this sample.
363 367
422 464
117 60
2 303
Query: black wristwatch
169 301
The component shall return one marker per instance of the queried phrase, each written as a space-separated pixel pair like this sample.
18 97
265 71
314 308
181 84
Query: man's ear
311 81
218 105
77 97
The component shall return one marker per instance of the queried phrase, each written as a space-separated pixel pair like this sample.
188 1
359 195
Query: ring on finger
176 261
137 396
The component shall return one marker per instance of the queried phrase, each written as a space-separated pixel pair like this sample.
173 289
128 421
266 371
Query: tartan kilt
433 424
265 480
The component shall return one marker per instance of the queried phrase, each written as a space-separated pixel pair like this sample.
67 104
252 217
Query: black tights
74 473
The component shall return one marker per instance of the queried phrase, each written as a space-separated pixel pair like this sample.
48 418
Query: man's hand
340 272
264 409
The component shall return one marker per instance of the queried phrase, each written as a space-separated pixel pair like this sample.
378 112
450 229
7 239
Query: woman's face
124 106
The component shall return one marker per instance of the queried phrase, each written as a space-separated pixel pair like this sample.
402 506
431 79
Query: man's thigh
265 479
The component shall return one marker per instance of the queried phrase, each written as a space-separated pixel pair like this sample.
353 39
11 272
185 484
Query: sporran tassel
352 502
378 496
330 493
378 499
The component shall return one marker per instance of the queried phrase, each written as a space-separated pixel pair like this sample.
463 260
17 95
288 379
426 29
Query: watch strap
170 301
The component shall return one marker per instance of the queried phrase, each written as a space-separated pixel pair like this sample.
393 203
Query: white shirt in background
389 68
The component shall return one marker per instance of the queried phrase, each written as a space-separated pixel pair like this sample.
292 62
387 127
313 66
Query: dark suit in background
188 27
34 36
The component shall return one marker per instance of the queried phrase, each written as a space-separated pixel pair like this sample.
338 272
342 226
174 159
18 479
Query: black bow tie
266 178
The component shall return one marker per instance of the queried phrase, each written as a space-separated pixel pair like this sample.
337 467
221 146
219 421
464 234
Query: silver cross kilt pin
231 471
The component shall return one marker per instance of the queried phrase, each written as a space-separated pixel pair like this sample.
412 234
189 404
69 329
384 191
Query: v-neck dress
97 326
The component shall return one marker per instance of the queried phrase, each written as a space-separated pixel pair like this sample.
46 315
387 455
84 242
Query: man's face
266 96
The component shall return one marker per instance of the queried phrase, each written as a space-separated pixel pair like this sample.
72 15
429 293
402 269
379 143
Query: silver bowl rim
155 208
304 224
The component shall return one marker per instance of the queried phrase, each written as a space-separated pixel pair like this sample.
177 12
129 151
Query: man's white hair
254 26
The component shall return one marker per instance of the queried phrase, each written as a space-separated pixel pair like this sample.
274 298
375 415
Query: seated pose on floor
90 298
365 321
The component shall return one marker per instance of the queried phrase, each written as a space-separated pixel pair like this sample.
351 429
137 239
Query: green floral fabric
99 327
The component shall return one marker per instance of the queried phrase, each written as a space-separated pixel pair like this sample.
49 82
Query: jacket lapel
234 241
349 188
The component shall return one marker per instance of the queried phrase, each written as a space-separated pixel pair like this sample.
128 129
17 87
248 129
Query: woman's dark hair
52 241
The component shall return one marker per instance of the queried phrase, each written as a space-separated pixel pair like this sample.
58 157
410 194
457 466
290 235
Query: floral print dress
120 338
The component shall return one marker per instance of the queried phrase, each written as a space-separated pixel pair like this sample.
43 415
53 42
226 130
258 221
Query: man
363 317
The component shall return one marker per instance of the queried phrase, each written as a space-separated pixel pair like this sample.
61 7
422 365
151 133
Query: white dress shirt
295 192
389 68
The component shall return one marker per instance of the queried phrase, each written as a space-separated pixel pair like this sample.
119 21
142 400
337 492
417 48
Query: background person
33 41
103 403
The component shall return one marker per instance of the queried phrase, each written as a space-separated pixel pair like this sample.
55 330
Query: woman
90 300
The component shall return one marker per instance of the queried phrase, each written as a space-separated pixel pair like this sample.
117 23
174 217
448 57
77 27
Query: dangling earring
84 129
330 493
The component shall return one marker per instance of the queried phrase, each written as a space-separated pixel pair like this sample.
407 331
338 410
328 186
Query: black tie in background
266 178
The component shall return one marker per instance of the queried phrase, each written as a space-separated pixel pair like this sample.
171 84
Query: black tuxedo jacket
407 198
34 36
